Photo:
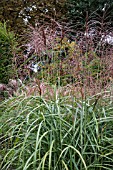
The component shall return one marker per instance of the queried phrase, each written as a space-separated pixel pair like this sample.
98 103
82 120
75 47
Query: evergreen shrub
7 48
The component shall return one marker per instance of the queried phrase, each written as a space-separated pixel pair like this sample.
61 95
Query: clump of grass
80 57
63 133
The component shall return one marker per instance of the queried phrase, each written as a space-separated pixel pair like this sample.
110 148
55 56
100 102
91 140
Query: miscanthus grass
59 134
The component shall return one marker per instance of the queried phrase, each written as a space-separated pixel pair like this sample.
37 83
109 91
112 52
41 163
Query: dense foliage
20 12
47 119
63 133
7 47
17 12
79 10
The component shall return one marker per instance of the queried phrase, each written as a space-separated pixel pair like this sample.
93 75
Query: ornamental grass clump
80 56
63 133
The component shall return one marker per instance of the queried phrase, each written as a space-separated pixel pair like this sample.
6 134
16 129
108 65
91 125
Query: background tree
19 12
77 10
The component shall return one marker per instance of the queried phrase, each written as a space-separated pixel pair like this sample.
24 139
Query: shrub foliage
7 47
